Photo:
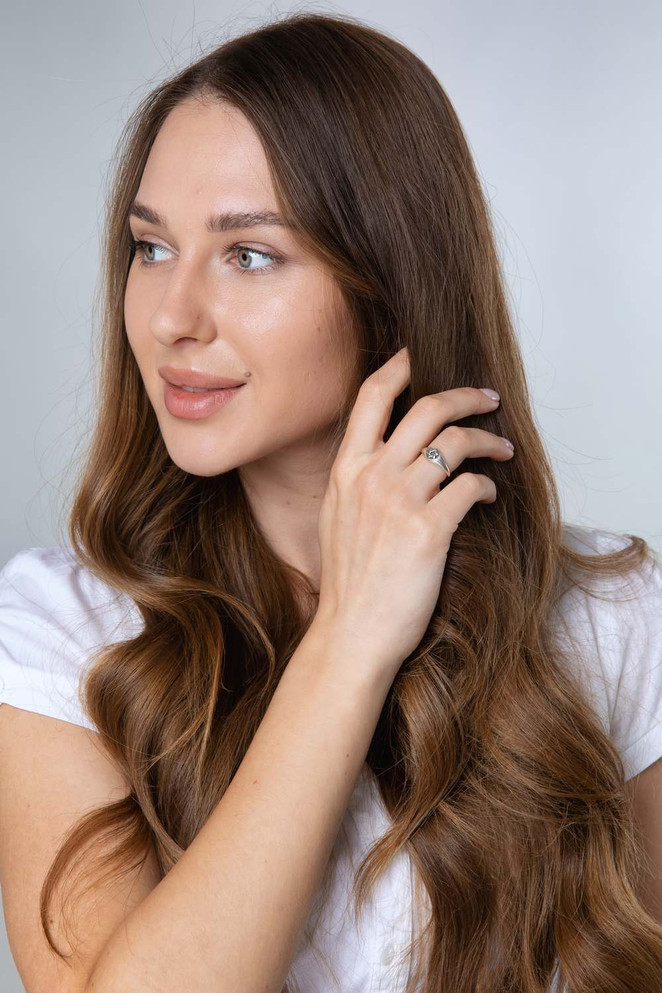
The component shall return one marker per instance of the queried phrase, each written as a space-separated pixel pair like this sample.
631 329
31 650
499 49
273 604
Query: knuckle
420 530
343 475
473 482
457 435
373 387
431 403
339 470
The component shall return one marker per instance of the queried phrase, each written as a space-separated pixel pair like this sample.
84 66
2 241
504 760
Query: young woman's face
197 301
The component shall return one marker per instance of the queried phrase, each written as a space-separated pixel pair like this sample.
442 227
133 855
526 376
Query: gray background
561 105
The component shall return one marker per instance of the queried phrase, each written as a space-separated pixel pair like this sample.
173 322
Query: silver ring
434 455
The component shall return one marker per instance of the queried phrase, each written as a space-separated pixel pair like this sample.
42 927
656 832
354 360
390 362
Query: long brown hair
369 160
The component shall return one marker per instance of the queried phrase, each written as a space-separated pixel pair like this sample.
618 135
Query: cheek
326 359
336 354
323 384
136 316
130 322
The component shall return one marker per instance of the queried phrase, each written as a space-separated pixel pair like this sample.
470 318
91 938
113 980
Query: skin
196 306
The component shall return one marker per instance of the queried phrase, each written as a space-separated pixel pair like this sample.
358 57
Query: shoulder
616 626
54 614
621 601
52 585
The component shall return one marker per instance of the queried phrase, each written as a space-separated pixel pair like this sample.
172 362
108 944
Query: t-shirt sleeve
636 717
623 635
53 616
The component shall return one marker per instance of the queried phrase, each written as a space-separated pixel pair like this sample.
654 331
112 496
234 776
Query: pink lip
196 406
191 377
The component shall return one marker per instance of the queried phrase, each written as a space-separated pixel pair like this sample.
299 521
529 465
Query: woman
354 662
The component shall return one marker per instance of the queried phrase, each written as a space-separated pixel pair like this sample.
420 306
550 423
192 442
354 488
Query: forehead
207 153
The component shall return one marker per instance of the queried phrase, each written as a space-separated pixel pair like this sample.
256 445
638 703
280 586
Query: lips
200 389
201 380
195 406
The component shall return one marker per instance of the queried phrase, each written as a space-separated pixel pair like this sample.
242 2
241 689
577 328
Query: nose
182 310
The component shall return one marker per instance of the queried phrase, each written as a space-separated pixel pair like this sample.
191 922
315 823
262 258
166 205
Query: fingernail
509 443
492 394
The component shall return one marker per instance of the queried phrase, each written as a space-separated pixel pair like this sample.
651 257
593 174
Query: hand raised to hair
385 525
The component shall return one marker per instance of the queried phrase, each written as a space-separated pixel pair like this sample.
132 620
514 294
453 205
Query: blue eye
254 251
140 246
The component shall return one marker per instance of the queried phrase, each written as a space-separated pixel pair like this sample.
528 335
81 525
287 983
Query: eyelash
137 245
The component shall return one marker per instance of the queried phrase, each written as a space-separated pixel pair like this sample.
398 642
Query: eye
140 247
245 250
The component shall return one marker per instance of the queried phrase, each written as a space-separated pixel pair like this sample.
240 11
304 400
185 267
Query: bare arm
228 915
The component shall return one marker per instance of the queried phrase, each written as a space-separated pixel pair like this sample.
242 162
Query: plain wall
561 106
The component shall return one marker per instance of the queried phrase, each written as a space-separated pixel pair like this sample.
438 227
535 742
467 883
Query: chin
200 465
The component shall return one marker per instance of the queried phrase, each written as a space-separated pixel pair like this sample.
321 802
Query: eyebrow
227 220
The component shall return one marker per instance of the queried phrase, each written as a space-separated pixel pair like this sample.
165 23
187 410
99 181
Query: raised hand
385 525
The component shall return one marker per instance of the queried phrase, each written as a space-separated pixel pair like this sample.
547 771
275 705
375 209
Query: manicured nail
492 394
509 443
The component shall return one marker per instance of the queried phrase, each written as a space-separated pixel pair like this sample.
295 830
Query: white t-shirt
54 613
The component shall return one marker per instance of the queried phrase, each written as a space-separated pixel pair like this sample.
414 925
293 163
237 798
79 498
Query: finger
448 508
425 419
456 444
374 405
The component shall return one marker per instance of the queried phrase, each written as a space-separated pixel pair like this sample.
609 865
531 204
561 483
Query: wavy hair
369 160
